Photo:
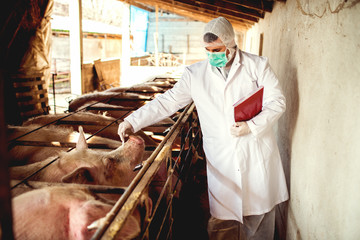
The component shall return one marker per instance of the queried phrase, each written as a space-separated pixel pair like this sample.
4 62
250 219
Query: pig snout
133 150
136 140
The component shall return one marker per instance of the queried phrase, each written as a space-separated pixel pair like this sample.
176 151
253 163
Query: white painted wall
314 48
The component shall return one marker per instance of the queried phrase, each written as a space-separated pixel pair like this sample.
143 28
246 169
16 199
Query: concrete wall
314 47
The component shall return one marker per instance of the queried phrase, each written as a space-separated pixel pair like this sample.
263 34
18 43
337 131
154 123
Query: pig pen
179 210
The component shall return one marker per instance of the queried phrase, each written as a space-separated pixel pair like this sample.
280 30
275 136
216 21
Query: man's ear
227 51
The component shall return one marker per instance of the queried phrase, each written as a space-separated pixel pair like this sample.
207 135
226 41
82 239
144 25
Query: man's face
216 46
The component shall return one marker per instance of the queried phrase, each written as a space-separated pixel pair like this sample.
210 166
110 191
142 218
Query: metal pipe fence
187 128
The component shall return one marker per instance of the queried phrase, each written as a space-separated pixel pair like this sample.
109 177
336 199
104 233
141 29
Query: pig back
52 134
63 213
114 98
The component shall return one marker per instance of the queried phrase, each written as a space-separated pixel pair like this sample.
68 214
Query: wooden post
76 47
261 42
125 48
156 36
5 202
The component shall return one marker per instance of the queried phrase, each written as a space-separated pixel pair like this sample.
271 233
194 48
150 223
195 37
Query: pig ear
79 175
146 207
81 143
131 228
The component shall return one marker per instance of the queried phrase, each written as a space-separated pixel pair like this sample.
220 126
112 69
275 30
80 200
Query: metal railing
180 148
187 129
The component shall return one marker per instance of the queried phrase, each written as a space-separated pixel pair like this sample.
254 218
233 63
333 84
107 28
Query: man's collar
237 56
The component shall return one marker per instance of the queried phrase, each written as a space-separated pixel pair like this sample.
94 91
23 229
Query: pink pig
87 166
64 213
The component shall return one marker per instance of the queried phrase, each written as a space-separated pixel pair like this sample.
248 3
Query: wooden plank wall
100 75
90 80
108 73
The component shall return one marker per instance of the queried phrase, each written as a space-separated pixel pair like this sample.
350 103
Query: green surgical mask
217 59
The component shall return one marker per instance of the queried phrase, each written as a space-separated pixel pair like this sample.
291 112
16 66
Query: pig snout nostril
137 140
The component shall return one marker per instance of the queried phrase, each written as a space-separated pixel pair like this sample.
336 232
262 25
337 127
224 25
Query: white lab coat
245 174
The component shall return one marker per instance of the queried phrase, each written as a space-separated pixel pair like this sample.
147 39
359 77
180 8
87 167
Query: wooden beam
138 4
228 7
260 5
202 9
217 9
199 14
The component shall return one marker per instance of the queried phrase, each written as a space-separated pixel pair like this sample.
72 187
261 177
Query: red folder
248 107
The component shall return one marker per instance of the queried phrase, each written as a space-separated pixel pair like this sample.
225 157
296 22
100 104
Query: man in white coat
244 171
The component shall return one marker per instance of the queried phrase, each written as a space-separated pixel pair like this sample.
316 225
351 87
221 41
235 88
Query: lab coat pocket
244 88
210 152
241 158
263 155
252 77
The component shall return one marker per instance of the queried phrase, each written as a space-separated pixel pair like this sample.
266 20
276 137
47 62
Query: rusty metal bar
167 215
150 161
119 108
169 201
186 163
118 215
60 144
92 188
144 91
130 99
81 122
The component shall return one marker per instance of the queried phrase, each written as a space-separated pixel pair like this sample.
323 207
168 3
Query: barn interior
60 68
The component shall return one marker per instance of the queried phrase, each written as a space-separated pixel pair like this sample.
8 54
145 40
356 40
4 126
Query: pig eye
111 160
81 175
109 163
